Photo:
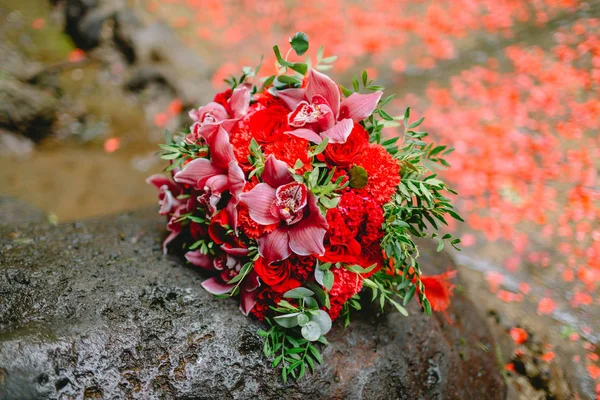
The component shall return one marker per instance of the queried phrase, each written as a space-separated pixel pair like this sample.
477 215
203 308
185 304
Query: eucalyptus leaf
302 319
311 331
323 319
287 320
298 293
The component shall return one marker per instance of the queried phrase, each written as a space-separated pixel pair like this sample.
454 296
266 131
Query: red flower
438 290
345 285
281 200
223 98
343 155
218 227
383 173
269 124
276 275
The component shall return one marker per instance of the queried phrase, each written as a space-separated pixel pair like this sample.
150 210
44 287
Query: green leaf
328 280
360 270
358 177
298 293
287 320
321 147
310 303
303 319
311 331
322 319
299 164
299 43
329 203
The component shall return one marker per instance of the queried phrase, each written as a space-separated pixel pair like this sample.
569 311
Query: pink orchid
167 193
213 113
282 200
169 205
229 264
318 114
215 176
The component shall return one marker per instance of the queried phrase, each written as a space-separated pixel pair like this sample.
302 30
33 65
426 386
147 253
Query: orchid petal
217 184
231 210
306 237
339 132
236 177
259 201
322 85
275 246
197 172
221 150
359 106
235 251
307 134
199 259
239 101
291 97
169 239
247 301
215 285
159 181
276 172
252 282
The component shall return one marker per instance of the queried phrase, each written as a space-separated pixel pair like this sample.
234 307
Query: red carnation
383 173
343 154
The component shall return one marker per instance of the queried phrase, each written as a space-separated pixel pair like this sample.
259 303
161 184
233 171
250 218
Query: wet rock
26 108
94 310
14 145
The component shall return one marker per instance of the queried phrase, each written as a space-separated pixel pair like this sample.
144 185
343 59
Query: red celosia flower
264 300
383 173
345 285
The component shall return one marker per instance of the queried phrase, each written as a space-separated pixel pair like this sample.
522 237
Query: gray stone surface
94 310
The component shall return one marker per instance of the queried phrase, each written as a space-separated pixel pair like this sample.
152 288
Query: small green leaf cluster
296 353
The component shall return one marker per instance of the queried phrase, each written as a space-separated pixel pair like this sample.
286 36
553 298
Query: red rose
344 154
269 124
218 227
223 97
276 275
197 230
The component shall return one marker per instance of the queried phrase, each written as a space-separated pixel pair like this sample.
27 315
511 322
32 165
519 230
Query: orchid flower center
290 201
306 113
208 119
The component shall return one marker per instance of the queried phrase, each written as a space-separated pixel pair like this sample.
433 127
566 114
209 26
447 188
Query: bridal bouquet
287 194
